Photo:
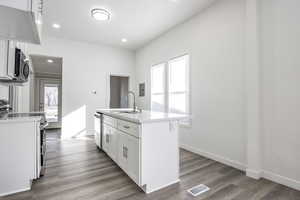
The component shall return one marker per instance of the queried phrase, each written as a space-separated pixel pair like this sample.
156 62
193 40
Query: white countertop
20 119
15 119
145 116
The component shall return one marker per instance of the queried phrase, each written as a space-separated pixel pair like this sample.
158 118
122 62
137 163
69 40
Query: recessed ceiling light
56 25
100 14
50 61
124 40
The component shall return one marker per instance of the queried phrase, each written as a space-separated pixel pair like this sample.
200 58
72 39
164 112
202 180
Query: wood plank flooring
77 170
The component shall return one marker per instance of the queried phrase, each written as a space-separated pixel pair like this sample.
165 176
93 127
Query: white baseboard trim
282 180
148 191
254 173
15 191
89 133
221 159
249 172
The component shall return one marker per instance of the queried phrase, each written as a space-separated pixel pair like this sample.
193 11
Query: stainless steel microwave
14 65
21 69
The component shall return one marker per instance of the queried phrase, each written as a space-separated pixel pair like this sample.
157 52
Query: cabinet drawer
110 121
128 127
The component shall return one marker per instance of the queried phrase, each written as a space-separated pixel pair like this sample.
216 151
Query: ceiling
41 65
139 21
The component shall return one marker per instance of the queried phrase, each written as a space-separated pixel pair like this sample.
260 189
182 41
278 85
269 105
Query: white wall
280 88
86 67
215 42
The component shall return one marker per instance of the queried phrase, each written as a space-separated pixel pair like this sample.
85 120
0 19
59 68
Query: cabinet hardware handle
125 152
127 127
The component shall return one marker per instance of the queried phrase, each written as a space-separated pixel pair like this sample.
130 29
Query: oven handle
42 127
97 115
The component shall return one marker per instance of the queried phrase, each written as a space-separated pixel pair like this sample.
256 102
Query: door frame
40 95
108 86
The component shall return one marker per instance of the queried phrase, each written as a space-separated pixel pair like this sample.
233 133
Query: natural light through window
170 86
158 88
178 72
51 102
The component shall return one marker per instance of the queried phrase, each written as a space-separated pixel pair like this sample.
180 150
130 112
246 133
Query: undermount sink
129 111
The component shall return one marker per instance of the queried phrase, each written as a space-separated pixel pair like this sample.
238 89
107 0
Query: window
158 88
170 86
178 85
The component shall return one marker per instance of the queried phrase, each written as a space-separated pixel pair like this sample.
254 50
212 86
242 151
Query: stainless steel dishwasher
98 129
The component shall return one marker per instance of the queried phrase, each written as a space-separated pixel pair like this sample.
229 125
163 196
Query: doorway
47 87
119 86
50 101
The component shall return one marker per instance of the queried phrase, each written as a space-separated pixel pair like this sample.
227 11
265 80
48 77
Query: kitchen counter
22 117
150 160
145 116
22 150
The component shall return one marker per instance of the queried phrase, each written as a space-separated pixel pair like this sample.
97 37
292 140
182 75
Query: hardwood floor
77 170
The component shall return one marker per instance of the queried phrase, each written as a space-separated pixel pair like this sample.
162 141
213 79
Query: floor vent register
197 190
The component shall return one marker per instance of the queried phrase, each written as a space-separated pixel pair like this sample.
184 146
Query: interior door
50 101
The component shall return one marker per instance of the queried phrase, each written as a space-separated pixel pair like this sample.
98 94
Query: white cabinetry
20 155
122 146
34 6
129 158
148 152
18 4
37 10
3 58
23 20
110 141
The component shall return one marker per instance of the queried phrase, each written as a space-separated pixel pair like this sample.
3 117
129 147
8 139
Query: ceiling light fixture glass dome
100 14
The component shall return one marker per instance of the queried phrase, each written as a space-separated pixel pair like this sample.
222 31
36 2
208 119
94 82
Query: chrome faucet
134 104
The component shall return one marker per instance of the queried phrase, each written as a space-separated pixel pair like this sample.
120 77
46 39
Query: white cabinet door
21 15
122 151
37 9
18 4
106 139
133 168
113 145
129 159
11 58
110 141
3 58
7 58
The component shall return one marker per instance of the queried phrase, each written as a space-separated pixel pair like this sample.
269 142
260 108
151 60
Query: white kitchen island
145 145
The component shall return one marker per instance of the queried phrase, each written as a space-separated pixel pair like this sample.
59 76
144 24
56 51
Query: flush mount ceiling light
50 61
124 40
57 26
100 14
